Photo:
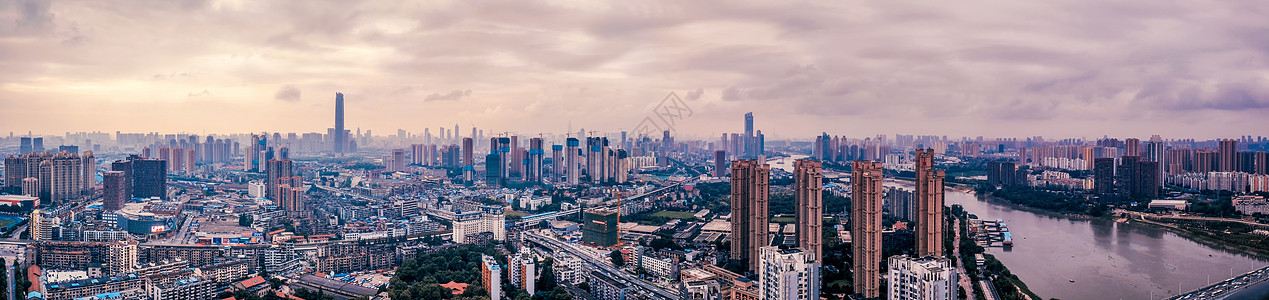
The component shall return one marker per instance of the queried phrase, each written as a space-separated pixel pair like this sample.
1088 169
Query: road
965 282
1192 218
19 231
621 276
8 273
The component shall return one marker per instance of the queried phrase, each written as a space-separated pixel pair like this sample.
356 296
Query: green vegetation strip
675 214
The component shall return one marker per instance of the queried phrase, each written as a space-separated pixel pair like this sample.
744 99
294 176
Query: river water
1107 260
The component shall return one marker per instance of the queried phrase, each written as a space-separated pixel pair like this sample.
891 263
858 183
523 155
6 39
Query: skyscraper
146 177
1261 160
929 202
750 193
1104 176
469 159
25 146
720 163
570 160
866 182
1155 150
808 205
1228 156
535 160
748 144
278 169
600 228
1132 147
114 190
340 136
557 163
397 161
493 170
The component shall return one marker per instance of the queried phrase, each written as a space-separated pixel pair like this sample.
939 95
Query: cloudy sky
1072 68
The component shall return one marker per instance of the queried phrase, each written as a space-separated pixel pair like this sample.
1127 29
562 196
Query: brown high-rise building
720 163
276 169
865 227
114 190
191 156
750 194
808 203
929 196
1088 156
1228 156
1132 147
1261 163
1206 161
1104 176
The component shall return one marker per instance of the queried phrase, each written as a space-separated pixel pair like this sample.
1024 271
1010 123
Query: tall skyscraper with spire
750 194
865 226
929 193
749 142
340 137
808 204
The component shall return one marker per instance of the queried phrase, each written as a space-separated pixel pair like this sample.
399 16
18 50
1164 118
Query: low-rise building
189 288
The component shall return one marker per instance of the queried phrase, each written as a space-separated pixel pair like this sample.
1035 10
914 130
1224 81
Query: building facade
866 182
925 278
750 193
788 274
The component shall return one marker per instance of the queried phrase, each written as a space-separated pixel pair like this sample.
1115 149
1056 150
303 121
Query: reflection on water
1107 260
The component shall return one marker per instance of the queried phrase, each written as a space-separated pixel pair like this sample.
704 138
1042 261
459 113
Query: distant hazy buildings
59 176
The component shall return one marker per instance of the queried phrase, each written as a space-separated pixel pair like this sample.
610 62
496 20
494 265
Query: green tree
4 280
617 259
547 281
244 220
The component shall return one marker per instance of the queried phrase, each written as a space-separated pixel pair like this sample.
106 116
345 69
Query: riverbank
1206 238
1030 209
1005 277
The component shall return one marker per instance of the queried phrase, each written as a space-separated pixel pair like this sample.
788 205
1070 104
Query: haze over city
994 68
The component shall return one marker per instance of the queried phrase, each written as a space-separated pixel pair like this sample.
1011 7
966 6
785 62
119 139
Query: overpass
1228 287
624 278
534 220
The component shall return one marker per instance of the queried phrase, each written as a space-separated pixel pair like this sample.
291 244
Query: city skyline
980 68
663 150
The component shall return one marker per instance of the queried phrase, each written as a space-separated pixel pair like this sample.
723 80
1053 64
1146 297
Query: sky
996 68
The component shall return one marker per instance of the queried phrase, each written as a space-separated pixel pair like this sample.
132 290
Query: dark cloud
34 15
694 94
288 93
451 96
978 62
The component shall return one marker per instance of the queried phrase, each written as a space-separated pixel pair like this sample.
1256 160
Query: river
1107 260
